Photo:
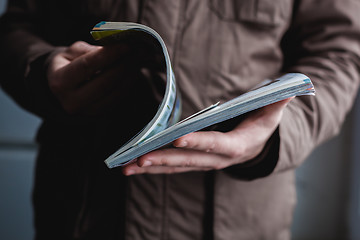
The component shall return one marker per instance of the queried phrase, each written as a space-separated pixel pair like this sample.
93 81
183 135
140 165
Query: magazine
165 126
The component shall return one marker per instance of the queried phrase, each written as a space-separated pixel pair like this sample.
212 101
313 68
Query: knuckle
236 152
212 147
189 142
235 148
188 162
215 142
163 161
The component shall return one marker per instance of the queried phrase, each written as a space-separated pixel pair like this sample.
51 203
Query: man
234 182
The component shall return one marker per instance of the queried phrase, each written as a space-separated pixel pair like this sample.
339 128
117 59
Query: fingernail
130 172
147 163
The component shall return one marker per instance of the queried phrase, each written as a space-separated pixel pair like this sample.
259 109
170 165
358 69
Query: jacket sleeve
24 58
323 43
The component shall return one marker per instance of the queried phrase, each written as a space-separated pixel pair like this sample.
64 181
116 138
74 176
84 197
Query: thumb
79 48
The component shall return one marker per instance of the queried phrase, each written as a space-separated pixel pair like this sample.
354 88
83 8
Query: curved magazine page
169 110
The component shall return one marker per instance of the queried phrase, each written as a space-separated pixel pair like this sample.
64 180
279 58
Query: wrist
260 166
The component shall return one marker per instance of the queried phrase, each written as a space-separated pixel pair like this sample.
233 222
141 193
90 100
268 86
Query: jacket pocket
267 13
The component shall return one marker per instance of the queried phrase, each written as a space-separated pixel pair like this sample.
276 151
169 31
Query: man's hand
203 151
87 79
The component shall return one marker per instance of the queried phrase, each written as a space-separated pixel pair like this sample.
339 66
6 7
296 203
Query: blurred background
328 184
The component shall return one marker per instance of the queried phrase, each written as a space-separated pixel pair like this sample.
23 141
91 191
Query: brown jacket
219 49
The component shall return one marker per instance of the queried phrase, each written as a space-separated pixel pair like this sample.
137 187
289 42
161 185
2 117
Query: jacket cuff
262 165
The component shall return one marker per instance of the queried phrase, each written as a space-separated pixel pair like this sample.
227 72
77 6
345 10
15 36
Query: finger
106 85
183 158
109 99
79 48
105 104
258 125
267 117
58 62
277 106
211 142
134 170
83 68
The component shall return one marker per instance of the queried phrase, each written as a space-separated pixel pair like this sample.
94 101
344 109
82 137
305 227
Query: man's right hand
88 79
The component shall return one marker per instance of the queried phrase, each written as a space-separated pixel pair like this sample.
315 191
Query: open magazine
165 127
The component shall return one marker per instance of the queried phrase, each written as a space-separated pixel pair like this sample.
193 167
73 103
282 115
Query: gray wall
17 154
326 190
2 5
327 184
354 176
